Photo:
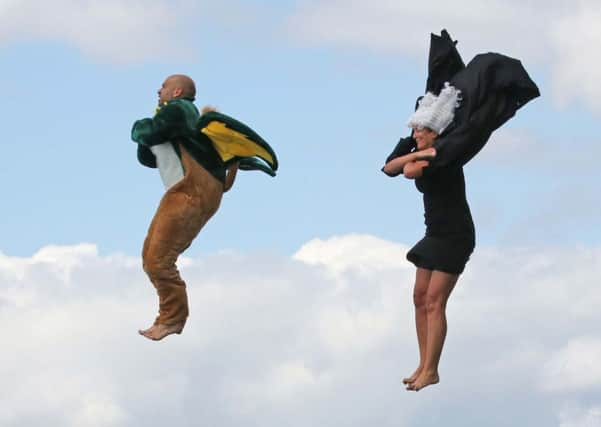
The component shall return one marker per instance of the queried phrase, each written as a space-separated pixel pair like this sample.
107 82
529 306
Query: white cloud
321 338
554 34
392 26
127 31
575 366
119 31
578 417
574 37
361 253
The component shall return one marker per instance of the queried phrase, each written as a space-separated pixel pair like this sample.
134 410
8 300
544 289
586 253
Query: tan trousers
184 210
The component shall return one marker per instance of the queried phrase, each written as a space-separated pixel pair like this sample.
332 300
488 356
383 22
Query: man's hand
230 176
208 109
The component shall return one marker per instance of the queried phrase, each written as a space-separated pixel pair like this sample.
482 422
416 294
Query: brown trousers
184 210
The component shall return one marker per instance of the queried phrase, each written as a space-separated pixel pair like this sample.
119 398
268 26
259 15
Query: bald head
177 86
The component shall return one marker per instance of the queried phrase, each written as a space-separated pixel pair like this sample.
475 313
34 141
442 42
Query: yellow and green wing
234 141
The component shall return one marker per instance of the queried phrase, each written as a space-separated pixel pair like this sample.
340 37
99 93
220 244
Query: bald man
195 179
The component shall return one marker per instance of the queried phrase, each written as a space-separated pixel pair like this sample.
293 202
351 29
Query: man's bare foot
413 377
423 380
159 331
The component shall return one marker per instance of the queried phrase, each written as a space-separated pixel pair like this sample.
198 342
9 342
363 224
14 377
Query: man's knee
157 268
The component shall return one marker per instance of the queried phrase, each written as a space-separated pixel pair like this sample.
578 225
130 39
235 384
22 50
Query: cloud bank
320 338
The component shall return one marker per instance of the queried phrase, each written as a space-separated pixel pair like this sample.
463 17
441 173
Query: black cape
493 87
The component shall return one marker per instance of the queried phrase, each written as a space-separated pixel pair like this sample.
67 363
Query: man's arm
167 124
230 176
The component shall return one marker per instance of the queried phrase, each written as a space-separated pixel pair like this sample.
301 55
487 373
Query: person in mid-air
462 106
198 157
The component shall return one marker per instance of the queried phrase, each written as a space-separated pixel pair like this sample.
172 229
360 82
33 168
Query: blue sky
331 112
301 297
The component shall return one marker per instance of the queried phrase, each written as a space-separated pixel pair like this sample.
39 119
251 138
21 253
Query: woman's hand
413 170
398 165
427 154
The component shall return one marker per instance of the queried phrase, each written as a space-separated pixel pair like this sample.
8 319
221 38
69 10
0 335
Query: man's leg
177 222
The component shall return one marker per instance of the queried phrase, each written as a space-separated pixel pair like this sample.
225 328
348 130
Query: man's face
169 90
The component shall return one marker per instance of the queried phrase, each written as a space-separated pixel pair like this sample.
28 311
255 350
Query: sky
301 309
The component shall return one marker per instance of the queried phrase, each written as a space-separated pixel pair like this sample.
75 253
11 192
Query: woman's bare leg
440 287
422 280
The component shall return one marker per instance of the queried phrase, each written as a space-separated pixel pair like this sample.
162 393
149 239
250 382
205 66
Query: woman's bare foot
159 331
423 380
413 377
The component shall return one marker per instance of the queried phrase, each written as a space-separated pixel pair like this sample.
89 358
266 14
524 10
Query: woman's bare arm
397 165
414 170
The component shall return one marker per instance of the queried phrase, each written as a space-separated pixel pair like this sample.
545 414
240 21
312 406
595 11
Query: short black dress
450 234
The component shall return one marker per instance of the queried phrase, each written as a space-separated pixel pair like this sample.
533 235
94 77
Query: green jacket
177 122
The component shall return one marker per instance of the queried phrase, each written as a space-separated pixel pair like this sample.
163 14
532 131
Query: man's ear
177 92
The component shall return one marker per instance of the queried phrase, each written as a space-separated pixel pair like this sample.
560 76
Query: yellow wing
230 144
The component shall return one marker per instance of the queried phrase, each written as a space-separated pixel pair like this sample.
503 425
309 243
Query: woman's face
424 137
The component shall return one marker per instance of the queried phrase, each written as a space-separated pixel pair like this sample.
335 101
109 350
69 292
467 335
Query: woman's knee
420 290
436 301
436 298
419 298
440 288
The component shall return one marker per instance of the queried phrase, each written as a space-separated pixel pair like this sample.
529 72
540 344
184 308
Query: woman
441 255
453 121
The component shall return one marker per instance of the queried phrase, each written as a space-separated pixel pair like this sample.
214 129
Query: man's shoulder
178 109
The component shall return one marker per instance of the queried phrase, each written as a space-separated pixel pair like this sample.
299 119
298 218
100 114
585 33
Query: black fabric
444 61
450 234
447 254
403 147
493 87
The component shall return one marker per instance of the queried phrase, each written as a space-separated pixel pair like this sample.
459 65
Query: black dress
493 87
450 234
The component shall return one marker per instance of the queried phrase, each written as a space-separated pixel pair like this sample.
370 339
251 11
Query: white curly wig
436 112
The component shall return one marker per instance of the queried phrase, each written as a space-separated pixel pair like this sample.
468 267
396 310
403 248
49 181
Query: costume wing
234 141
